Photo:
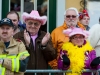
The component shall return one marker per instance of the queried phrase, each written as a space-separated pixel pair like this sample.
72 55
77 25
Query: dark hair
13 12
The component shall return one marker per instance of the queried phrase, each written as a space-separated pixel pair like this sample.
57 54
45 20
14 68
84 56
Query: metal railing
58 71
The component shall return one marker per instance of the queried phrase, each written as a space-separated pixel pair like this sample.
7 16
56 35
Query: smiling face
77 39
33 26
6 32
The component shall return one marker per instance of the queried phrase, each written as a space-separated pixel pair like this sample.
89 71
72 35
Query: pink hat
75 31
34 15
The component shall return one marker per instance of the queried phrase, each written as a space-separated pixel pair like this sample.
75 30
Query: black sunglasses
73 16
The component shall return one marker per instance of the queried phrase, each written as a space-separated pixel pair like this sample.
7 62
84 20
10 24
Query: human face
6 32
33 26
14 19
71 18
85 21
78 40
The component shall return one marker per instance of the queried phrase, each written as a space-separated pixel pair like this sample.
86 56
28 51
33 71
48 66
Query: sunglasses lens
73 16
68 16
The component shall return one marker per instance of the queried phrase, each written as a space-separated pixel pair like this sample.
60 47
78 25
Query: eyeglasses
73 16
79 37
36 24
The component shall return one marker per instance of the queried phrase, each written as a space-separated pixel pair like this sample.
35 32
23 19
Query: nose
33 25
70 17
4 30
87 20
78 38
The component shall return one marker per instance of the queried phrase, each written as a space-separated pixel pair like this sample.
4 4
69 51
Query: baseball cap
6 21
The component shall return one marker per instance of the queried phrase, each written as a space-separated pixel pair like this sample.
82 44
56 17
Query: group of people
74 43
22 49
67 47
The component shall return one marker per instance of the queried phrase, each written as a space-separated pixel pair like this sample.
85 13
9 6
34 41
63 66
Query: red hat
82 14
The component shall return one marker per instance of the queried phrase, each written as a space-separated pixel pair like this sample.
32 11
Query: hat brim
75 33
6 24
26 16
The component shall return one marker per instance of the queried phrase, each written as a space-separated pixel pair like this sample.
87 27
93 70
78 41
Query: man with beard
58 38
14 16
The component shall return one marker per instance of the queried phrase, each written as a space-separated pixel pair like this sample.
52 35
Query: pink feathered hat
73 31
35 16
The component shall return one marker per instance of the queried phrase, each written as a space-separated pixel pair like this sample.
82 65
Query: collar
65 25
87 28
13 42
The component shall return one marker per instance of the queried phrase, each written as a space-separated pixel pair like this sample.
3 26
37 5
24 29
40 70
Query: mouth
4 34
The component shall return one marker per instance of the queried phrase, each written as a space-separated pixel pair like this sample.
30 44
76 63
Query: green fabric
5 8
52 15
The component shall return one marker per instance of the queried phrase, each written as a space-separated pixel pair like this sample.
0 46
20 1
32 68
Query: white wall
60 12
94 12
0 9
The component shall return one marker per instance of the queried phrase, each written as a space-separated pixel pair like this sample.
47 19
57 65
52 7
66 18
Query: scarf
77 57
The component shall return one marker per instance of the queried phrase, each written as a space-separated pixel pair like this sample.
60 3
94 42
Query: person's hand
27 38
95 62
62 53
45 39
66 60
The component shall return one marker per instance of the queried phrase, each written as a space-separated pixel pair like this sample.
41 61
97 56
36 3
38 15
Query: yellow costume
77 56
